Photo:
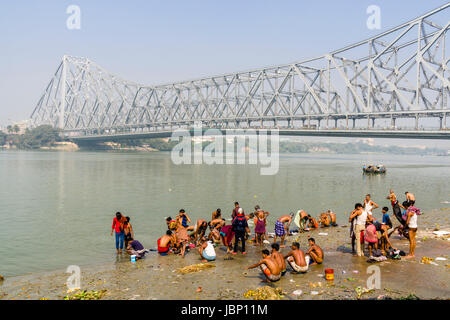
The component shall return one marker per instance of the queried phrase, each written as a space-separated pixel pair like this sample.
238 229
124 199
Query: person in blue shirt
386 219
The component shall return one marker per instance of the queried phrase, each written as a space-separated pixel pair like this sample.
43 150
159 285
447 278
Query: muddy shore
156 277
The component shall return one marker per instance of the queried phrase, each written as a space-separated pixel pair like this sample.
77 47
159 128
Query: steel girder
402 72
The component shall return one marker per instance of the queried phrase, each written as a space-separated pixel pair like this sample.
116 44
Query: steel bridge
395 84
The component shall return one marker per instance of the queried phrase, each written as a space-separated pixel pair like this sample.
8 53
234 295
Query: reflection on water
57 207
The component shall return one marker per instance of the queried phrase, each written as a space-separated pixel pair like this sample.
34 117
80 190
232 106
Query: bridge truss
400 73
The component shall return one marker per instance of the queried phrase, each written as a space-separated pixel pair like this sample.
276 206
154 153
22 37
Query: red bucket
329 274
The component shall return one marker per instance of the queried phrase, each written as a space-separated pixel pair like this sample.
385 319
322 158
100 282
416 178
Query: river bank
156 277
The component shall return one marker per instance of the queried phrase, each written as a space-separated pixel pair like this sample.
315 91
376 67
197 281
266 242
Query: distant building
18 127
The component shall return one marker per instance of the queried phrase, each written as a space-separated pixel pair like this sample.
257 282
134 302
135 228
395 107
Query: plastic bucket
133 258
329 274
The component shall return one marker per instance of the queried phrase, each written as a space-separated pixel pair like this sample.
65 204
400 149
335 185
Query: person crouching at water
297 259
117 227
315 252
269 266
312 223
206 250
278 257
324 220
136 248
227 235
200 229
282 228
359 225
385 230
165 243
332 216
303 219
240 227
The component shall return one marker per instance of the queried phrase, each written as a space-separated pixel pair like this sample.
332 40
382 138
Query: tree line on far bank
34 138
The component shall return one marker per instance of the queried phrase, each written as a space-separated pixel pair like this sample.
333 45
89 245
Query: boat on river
371 169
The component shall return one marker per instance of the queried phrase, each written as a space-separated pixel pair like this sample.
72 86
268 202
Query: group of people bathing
181 237
365 228
124 237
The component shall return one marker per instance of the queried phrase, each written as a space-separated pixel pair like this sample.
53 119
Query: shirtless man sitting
324 220
269 266
315 252
165 243
276 254
332 216
297 259
282 227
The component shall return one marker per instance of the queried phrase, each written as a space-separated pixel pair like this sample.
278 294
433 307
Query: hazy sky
155 42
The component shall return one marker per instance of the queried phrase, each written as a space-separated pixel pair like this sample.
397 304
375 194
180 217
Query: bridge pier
353 123
393 123
417 122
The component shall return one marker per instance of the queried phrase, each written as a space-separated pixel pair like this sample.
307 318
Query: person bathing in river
227 235
410 198
411 222
385 230
216 214
171 224
296 258
182 240
303 220
324 220
136 248
216 223
166 242
332 216
214 235
240 227
315 252
278 257
360 217
200 229
183 219
206 250
260 228
117 228
312 223
127 231
282 227
369 205
370 235
236 210
269 266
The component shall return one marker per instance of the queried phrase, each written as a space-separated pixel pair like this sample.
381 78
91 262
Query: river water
57 207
